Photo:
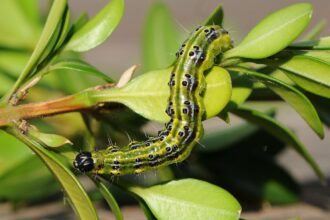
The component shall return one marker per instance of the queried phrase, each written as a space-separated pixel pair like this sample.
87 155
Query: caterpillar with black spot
185 107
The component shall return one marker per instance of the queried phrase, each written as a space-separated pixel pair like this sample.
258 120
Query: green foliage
170 200
154 95
265 62
274 33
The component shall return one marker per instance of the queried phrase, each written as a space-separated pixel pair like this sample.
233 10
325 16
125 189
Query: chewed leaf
281 132
291 95
98 29
189 199
148 94
274 32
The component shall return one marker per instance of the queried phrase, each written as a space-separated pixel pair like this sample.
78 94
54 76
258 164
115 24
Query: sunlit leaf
310 73
173 199
274 32
98 28
148 94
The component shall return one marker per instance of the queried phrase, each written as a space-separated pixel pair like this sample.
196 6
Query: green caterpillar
185 107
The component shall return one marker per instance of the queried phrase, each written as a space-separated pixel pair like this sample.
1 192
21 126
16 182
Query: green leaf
160 38
79 66
46 41
50 140
274 32
13 62
36 177
32 11
291 95
98 29
242 88
17 30
109 198
148 94
310 73
189 199
320 44
216 17
64 30
281 132
12 151
77 196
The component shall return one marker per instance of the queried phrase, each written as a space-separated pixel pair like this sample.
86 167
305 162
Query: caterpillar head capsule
84 162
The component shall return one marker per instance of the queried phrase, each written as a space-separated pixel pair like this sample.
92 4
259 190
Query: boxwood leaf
98 28
292 96
107 195
310 73
274 32
189 199
77 196
148 94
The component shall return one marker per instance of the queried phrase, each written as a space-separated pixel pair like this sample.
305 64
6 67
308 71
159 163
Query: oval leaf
274 32
189 199
310 73
148 94
281 132
98 29
292 96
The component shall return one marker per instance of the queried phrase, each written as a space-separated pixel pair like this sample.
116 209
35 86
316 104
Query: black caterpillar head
84 162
